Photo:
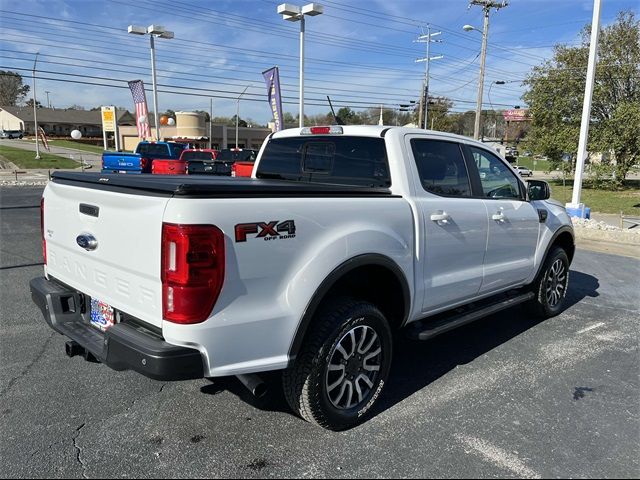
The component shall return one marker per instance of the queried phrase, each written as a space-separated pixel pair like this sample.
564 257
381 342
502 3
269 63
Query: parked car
242 169
141 161
11 134
524 171
205 161
347 236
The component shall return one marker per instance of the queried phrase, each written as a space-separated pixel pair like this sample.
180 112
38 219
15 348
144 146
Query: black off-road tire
304 383
541 306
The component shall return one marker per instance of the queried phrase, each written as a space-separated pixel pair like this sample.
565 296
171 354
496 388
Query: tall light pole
294 13
153 31
48 102
486 5
238 111
575 207
35 110
428 39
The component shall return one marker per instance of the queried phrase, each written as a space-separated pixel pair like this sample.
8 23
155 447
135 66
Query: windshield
347 160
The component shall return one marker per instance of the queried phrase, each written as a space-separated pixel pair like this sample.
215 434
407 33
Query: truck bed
205 186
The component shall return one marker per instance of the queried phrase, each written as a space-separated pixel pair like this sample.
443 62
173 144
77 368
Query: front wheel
342 368
551 285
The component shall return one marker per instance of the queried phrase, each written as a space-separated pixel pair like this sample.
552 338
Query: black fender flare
556 234
368 259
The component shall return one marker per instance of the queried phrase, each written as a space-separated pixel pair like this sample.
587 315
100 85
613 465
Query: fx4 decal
274 230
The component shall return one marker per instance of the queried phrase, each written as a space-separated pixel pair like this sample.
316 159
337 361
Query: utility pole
486 5
428 39
35 110
210 123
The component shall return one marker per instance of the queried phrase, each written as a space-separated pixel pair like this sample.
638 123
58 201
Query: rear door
513 223
124 269
455 223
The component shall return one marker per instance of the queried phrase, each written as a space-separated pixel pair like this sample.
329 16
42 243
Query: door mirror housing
538 190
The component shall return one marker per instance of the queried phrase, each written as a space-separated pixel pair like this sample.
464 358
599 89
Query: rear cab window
198 156
342 160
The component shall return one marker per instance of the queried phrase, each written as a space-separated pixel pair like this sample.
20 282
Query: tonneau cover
211 186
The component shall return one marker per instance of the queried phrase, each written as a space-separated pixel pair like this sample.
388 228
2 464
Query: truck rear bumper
125 346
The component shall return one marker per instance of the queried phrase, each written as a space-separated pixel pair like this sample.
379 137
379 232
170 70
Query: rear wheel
551 285
341 370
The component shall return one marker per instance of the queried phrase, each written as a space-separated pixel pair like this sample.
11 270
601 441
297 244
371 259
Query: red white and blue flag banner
142 114
43 137
272 78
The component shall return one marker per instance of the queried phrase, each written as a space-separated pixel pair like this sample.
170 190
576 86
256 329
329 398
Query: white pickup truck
344 237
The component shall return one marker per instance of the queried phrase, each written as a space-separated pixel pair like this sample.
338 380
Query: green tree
12 91
29 103
349 117
555 92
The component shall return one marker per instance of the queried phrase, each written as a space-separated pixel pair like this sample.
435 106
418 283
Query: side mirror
538 190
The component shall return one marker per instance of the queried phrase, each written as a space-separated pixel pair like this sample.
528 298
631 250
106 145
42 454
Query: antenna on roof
336 118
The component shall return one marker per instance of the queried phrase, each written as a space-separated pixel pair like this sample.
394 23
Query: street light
483 58
153 31
294 13
238 111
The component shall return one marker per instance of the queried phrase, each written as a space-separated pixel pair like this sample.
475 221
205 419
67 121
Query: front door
454 224
513 224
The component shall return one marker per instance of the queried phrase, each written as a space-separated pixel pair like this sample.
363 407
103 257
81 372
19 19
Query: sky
360 53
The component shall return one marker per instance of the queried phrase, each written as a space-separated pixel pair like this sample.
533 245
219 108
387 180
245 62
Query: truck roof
381 130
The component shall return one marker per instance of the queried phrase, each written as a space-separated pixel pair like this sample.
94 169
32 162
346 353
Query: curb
608 236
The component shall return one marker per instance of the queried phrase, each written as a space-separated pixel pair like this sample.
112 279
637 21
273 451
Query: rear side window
441 167
348 160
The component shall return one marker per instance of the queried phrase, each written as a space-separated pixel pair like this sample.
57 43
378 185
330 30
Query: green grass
541 165
78 146
626 200
26 159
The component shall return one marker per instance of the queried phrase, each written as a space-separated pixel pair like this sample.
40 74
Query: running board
429 328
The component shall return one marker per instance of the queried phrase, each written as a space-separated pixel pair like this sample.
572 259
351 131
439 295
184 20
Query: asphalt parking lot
506 397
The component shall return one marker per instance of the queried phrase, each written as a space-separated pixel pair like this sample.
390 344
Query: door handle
440 217
498 217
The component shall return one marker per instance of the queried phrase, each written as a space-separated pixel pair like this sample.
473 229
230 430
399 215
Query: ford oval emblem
87 241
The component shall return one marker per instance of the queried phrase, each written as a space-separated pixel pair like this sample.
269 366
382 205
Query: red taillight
233 170
44 241
192 271
143 163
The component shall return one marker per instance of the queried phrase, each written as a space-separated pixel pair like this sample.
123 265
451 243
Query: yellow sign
109 119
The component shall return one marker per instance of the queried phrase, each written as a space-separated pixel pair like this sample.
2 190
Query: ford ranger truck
142 160
345 237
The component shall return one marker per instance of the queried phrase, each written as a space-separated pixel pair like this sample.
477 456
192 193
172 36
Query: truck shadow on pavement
418 364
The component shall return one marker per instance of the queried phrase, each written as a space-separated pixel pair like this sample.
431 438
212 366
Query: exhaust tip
254 384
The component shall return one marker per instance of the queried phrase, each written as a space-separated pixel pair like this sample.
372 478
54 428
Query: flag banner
142 114
43 137
272 78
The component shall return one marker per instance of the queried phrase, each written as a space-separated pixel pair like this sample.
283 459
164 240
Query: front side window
498 181
441 167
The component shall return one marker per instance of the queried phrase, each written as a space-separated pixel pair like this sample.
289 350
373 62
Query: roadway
506 397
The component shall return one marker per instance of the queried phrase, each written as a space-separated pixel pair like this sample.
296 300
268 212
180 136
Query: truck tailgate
124 269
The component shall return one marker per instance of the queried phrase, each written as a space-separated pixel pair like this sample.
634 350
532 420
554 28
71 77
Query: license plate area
102 315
